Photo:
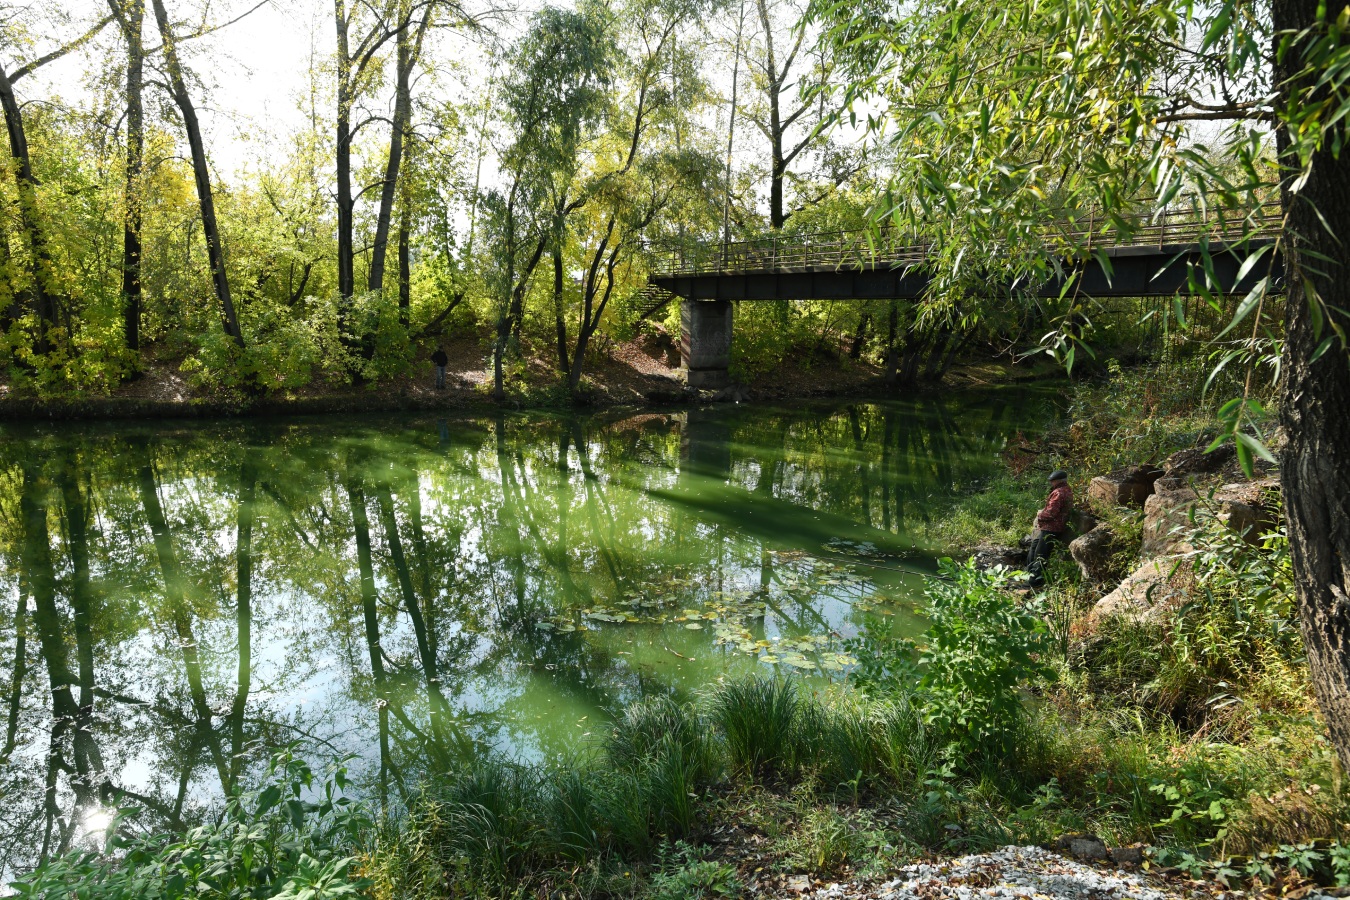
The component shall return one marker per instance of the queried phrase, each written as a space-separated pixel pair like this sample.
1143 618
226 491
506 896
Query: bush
981 650
266 843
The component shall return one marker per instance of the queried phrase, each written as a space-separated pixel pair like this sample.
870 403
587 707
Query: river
180 599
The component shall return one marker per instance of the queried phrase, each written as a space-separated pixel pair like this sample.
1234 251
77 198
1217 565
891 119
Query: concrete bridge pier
705 342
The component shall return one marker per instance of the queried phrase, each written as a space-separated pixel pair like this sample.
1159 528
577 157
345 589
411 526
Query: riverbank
638 374
1184 743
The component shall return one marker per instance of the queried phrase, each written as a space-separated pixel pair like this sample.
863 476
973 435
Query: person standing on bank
1050 524
440 361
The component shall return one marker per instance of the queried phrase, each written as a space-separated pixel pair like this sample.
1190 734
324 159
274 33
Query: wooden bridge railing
887 247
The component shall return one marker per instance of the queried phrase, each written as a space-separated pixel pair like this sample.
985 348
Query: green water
181 599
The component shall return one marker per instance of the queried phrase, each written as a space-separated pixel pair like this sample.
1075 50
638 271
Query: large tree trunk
28 213
215 250
131 15
1315 397
346 275
409 48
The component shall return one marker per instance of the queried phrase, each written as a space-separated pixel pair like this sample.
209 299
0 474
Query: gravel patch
1012 873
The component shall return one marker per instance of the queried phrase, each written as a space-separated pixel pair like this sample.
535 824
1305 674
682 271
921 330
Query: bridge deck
1158 256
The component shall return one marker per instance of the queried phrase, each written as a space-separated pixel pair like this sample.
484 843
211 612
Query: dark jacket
439 357
1055 516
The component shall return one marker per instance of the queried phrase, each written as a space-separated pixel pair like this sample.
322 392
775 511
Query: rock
1167 521
1195 461
1094 552
799 884
1170 483
1246 508
1083 846
732 393
1127 856
1150 591
1129 486
987 556
1081 521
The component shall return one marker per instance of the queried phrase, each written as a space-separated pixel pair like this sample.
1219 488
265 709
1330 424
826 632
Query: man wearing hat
1050 524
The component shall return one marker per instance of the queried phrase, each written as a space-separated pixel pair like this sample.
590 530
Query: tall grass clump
759 720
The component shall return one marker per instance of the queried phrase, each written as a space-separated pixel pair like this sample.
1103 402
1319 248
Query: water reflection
186 598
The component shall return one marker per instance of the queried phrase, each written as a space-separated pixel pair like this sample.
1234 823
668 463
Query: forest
497 175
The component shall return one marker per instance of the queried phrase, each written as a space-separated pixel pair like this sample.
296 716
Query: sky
255 71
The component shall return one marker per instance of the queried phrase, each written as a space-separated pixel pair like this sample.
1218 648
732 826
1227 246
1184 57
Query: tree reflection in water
184 599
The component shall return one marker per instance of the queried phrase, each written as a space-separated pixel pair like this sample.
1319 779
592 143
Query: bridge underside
1134 272
706 310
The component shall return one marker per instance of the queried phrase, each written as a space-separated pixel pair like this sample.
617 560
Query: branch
59 52
203 32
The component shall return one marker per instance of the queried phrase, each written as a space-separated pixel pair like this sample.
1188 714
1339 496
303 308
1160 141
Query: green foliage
682 874
982 650
292 839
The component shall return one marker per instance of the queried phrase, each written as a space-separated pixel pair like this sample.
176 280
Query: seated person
1050 524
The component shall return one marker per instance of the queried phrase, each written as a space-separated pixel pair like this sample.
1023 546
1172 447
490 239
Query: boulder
732 393
1081 522
1244 507
1129 486
1169 483
1167 519
1150 591
1247 508
987 556
1195 461
1094 552
1128 856
1083 846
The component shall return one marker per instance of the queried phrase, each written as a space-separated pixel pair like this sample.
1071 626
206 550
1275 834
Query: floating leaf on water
693 626
544 626
797 661
769 658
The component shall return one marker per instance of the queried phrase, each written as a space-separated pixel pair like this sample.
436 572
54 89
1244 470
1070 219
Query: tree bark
1315 468
215 250
405 262
26 183
409 47
131 15
346 275
560 323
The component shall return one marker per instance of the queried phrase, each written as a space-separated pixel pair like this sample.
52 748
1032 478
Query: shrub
267 843
981 649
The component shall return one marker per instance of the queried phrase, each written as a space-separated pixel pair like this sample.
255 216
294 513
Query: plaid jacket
1055 516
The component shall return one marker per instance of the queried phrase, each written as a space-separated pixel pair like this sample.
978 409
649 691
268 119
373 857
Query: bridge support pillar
705 342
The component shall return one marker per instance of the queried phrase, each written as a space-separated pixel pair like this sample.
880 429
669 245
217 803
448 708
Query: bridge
1155 254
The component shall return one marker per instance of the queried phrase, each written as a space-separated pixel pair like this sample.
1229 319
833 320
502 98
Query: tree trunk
405 263
346 276
215 250
409 47
860 337
1315 469
892 335
132 15
28 213
560 323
